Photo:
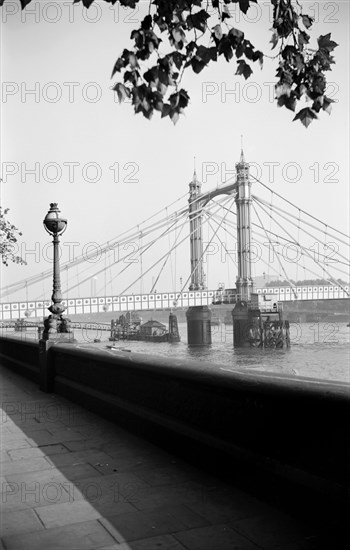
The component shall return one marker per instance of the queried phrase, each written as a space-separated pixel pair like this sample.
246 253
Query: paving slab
25 452
67 513
169 475
93 457
122 487
53 449
159 521
20 496
71 479
18 443
23 521
89 535
272 529
41 476
37 439
214 537
79 471
85 444
163 542
311 543
25 466
34 425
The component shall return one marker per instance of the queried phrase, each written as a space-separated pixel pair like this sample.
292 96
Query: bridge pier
198 326
241 325
254 328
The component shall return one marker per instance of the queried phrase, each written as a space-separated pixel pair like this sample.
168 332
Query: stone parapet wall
272 433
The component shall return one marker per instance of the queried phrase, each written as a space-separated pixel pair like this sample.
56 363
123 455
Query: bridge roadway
131 302
70 479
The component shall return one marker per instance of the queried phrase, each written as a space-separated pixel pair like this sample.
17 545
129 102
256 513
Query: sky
65 138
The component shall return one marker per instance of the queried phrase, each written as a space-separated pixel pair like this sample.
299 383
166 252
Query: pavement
72 480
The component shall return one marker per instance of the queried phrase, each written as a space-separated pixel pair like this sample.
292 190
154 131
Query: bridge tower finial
195 185
242 159
195 178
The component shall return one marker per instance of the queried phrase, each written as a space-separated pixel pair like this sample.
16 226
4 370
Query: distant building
261 280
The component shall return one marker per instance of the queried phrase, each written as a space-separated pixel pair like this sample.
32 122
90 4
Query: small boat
114 348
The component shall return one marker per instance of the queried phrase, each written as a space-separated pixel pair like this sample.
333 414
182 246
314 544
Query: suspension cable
309 255
256 199
295 206
279 261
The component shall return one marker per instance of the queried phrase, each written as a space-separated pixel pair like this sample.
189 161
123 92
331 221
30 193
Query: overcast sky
58 111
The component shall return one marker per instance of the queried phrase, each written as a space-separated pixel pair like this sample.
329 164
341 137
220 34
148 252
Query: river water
318 350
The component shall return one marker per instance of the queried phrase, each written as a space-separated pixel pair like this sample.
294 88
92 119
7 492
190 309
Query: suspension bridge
227 227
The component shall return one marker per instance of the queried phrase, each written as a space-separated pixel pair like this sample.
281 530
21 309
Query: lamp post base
57 329
59 337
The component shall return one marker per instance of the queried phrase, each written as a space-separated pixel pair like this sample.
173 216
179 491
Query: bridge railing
168 300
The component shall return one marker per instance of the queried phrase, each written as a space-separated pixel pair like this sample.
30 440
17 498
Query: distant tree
279 283
8 238
305 282
197 33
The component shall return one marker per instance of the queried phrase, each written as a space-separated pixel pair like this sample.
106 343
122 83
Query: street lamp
55 323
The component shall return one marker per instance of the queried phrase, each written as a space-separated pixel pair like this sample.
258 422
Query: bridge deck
73 480
151 302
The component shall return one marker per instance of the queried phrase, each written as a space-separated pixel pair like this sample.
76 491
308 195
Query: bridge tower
251 325
243 200
244 281
196 239
198 317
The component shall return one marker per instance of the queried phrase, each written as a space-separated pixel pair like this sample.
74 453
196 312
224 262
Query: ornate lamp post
55 324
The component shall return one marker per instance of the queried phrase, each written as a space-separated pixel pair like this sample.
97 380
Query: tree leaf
179 37
122 91
287 101
303 38
119 64
283 89
237 34
217 30
178 58
306 116
166 110
86 3
198 20
327 104
225 47
225 14
307 21
24 3
274 39
174 116
197 64
244 69
324 43
147 22
244 4
258 55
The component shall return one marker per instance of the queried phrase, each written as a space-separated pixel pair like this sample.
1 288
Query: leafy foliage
305 282
8 238
187 26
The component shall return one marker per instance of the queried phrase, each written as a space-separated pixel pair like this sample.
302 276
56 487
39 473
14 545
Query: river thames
318 350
